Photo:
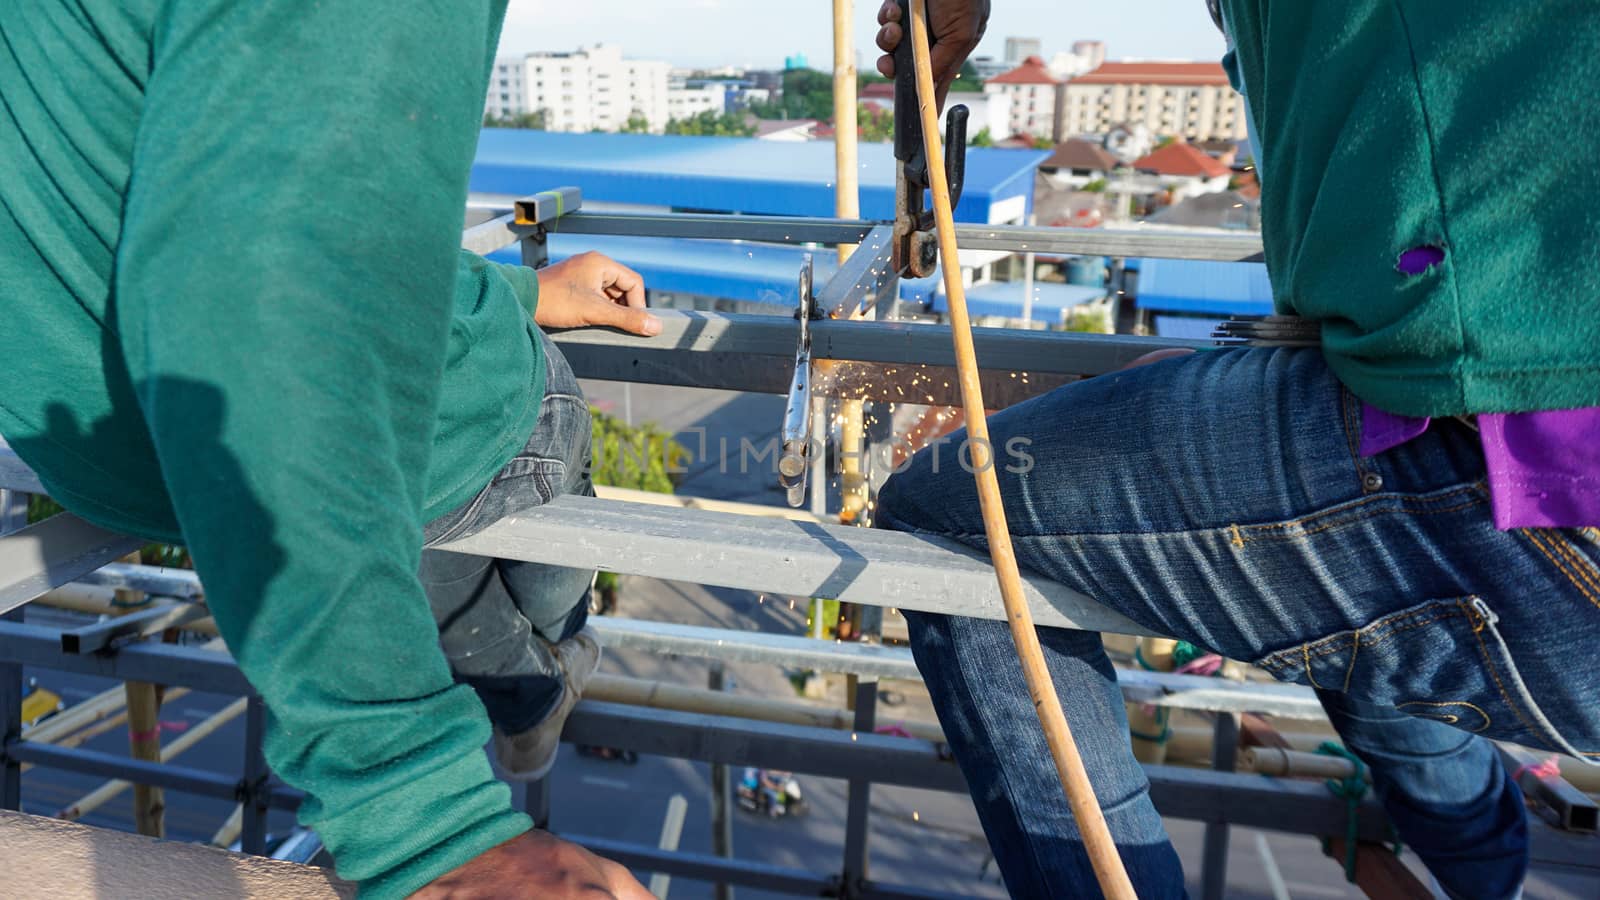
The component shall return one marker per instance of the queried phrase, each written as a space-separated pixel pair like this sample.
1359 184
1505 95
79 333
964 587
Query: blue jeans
1219 498
498 617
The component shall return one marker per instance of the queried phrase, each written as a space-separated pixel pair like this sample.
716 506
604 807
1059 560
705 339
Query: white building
591 89
507 92
991 110
1035 99
1190 100
1020 48
986 110
988 67
1086 56
687 102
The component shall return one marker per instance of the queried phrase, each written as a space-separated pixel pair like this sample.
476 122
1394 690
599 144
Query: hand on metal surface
592 289
536 865
957 27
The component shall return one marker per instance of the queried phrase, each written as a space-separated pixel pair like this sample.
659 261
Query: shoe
531 754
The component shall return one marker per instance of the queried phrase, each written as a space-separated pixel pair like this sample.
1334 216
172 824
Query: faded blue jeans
1219 498
498 617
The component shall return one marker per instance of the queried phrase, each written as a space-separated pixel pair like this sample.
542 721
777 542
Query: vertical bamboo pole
847 205
144 734
846 192
1091 821
1148 724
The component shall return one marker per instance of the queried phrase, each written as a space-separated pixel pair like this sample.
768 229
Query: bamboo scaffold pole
108 791
1113 877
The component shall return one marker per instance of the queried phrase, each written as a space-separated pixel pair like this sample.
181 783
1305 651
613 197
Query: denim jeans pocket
1445 660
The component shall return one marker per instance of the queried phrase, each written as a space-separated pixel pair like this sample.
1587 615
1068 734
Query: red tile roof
1190 73
1179 158
878 90
1032 71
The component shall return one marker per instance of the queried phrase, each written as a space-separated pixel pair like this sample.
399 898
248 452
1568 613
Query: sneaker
530 755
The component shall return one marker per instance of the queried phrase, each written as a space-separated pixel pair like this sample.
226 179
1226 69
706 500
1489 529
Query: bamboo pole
108 791
1146 719
1080 795
846 191
74 717
231 827
144 742
144 731
1286 763
847 205
96 600
79 738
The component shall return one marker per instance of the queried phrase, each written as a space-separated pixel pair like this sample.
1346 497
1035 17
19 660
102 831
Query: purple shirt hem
1544 467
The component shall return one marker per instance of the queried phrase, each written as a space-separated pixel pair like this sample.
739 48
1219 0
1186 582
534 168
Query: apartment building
1186 99
507 95
1020 48
686 102
1035 97
590 89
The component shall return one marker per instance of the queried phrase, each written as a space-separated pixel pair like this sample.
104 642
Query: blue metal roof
1201 286
1004 298
726 174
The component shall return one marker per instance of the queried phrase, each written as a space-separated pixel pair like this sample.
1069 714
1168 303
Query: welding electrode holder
916 251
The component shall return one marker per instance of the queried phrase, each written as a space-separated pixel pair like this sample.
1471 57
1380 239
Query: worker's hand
592 289
957 27
535 865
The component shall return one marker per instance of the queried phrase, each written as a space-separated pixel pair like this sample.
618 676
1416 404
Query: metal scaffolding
779 556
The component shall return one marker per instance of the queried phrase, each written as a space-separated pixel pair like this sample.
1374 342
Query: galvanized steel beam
1124 242
865 280
54 552
897 343
766 229
800 559
1242 247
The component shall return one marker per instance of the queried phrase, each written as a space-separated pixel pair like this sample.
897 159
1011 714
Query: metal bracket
796 456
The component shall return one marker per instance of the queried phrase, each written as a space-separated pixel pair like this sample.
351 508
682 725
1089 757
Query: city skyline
690 33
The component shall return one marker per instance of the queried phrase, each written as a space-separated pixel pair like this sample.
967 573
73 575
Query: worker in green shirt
236 317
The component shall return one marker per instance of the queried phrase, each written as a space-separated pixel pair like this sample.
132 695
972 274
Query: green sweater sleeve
283 301
523 280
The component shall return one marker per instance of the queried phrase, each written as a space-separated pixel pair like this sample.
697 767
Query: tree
968 82
984 138
534 121
640 458
712 124
1096 186
1041 142
806 94
876 125
636 124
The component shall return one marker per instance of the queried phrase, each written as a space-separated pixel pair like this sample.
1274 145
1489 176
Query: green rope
1352 788
1163 714
1184 653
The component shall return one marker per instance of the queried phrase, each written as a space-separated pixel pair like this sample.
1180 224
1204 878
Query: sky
760 33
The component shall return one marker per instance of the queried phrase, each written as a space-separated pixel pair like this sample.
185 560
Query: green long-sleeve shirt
235 315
